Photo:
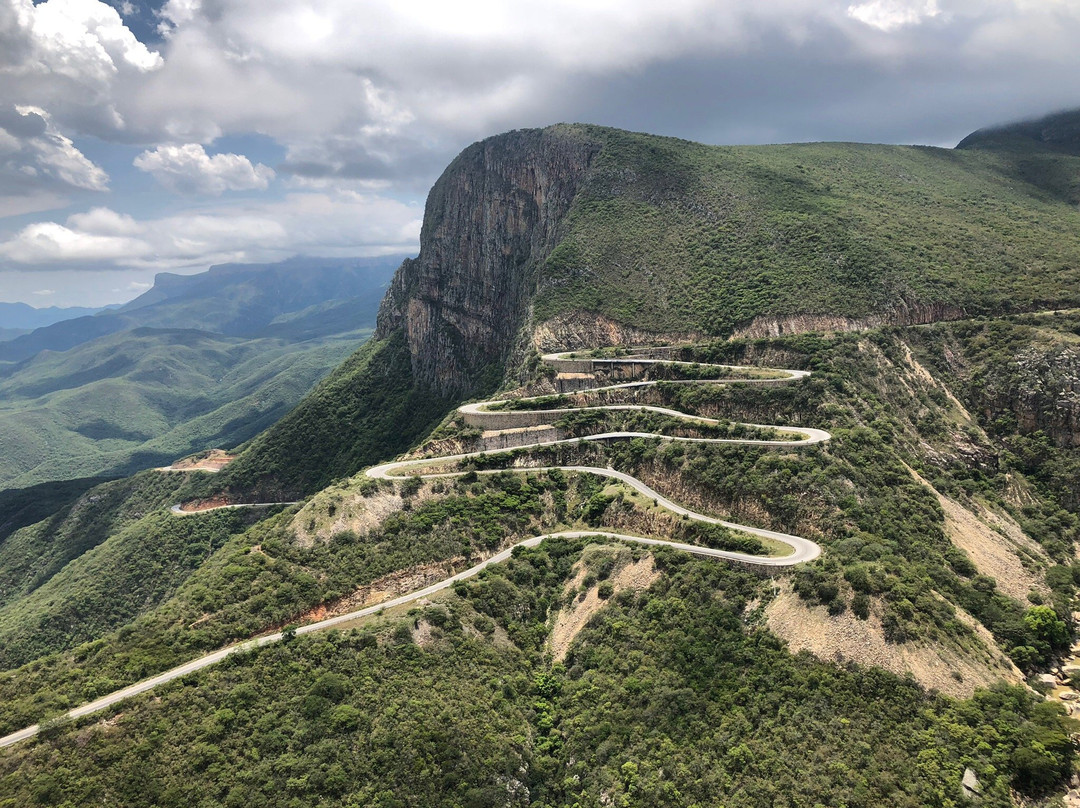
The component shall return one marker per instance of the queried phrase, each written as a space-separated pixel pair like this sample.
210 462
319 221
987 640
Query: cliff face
902 314
490 220
1041 390
575 235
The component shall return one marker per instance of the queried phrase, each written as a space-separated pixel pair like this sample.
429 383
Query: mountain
19 316
540 238
196 362
1059 132
236 300
924 300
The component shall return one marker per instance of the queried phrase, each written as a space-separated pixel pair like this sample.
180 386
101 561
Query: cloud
341 223
375 97
381 91
888 15
75 58
188 169
44 292
38 165
384 91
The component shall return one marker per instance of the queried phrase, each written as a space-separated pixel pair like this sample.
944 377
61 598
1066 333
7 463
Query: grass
670 235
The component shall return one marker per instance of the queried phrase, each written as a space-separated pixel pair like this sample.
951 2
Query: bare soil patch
952 670
995 543
572 619
213 460
208 504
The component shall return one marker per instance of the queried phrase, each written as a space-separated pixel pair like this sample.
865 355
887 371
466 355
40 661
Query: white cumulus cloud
341 223
73 57
40 166
188 169
52 154
888 15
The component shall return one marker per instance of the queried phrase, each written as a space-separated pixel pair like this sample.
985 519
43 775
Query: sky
141 136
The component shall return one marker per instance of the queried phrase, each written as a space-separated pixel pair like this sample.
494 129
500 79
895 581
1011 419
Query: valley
196 362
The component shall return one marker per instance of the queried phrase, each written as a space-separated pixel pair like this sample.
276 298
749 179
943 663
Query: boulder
970 785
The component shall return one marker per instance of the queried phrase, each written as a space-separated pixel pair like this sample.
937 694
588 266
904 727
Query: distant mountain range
17 319
285 300
197 361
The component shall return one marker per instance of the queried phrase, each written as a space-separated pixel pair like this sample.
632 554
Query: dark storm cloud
928 88
26 125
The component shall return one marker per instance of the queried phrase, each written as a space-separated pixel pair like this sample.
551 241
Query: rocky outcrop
491 219
584 329
917 314
1040 389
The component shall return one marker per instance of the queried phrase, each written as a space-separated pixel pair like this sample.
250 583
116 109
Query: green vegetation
198 361
20 507
676 236
367 410
657 681
224 585
673 694
1018 377
146 397
668 697
33 554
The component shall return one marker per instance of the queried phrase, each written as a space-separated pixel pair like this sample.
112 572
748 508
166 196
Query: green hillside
671 235
148 396
369 409
198 361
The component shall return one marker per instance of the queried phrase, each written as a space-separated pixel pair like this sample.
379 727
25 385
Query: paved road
802 549
215 657
178 508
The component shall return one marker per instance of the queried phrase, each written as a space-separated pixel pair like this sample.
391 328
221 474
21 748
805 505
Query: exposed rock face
583 329
490 219
919 314
1041 390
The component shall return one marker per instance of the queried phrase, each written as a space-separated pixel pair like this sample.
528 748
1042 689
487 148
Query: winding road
488 414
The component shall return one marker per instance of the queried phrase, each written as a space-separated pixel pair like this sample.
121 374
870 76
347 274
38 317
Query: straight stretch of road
802 549
178 508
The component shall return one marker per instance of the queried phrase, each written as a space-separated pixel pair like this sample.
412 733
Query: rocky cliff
491 219
1040 389
577 235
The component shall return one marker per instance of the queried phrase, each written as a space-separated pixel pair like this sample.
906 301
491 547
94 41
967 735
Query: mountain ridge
578 229
202 361
222 299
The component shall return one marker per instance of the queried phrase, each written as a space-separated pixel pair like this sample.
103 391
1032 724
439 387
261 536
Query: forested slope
588 671
199 361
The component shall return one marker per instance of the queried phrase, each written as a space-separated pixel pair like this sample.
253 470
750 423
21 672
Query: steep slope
579 235
494 215
668 235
